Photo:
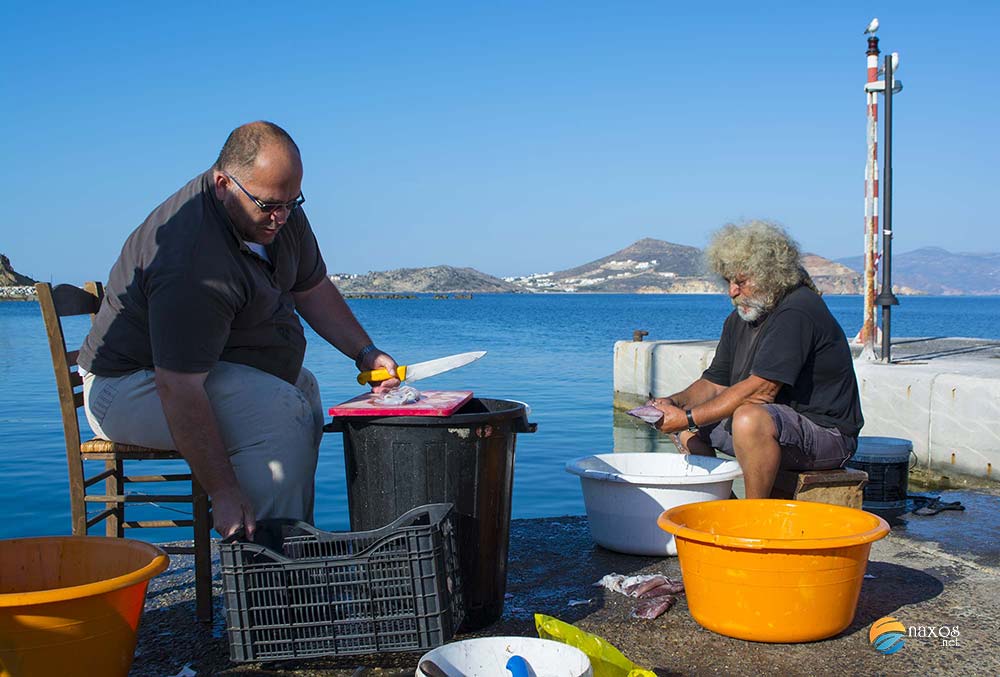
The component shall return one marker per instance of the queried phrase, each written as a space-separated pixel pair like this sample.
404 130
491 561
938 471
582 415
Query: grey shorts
804 444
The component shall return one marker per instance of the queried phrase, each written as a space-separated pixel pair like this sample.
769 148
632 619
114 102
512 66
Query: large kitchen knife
415 372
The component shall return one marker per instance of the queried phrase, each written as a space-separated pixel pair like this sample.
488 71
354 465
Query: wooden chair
66 300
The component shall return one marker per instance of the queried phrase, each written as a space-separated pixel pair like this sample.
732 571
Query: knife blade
421 370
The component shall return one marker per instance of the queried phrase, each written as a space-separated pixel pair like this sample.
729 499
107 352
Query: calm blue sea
551 351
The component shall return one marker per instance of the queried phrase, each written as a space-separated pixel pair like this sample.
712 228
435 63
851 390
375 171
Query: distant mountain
647 266
939 271
437 280
831 277
646 256
657 267
10 277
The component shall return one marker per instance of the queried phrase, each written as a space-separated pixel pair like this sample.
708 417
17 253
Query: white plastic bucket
488 656
626 493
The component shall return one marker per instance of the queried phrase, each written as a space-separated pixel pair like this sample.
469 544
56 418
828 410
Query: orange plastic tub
772 570
71 605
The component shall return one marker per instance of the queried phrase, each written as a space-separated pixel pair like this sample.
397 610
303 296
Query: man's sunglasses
269 207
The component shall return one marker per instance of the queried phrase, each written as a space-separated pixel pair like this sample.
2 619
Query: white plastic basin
625 494
488 656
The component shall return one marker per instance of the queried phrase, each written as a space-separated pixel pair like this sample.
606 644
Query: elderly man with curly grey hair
781 391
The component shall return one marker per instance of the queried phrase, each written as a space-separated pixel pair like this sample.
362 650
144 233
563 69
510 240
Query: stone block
838 487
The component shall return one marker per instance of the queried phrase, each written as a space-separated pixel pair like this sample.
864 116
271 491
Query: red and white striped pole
867 334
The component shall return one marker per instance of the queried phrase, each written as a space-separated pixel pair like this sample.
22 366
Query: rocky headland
13 285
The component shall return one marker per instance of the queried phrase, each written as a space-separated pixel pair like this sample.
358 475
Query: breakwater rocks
17 293
405 296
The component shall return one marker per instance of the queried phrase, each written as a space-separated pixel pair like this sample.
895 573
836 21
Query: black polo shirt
186 292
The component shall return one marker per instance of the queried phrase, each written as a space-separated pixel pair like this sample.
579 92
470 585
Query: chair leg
202 552
115 486
77 506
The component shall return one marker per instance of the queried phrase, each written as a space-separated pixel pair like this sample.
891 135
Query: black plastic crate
397 588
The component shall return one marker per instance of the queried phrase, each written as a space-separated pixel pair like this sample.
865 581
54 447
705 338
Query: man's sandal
932 505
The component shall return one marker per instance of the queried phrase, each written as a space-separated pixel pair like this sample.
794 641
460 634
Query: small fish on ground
668 588
650 588
656 592
654 607
579 602
637 586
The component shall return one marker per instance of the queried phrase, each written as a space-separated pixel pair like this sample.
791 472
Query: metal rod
886 298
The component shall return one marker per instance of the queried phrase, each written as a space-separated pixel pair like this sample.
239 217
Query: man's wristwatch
364 352
692 426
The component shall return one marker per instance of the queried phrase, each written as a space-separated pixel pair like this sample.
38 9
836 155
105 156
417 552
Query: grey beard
754 310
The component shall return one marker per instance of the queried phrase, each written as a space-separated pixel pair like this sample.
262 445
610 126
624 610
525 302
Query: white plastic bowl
625 494
488 656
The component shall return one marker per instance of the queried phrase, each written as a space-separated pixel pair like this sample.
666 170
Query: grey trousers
271 429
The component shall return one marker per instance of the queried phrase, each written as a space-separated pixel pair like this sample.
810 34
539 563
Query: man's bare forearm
698 392
195 430
752 390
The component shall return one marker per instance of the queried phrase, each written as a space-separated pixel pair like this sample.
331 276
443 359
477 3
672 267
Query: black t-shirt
187 292
802 346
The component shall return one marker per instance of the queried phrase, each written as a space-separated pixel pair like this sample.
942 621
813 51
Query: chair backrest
66 300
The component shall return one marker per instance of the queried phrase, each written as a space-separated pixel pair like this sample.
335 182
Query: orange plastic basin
772 570
70 605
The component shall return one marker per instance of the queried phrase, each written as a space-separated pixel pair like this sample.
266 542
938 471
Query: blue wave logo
887 635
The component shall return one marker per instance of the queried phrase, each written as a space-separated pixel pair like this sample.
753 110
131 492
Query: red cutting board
431 403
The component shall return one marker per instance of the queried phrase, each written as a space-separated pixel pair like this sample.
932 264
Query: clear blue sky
510 137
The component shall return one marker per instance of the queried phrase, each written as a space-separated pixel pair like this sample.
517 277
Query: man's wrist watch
692 426
363 352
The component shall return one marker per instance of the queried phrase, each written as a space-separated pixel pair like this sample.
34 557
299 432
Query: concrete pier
943 394
932 571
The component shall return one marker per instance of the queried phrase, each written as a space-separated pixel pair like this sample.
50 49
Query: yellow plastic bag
606 660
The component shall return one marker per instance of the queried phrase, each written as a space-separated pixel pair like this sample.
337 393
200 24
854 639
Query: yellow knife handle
380 375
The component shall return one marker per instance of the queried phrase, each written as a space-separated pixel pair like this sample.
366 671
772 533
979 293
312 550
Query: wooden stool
839 487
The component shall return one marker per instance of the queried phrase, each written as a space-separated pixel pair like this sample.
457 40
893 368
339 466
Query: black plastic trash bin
395 463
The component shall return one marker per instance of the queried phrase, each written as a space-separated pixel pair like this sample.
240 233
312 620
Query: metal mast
867 334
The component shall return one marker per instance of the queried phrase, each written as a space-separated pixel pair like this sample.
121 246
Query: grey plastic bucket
887 462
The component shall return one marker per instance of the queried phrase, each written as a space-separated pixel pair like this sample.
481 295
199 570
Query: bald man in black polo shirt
198 344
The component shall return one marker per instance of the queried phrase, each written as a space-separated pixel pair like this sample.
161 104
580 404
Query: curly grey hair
762 251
